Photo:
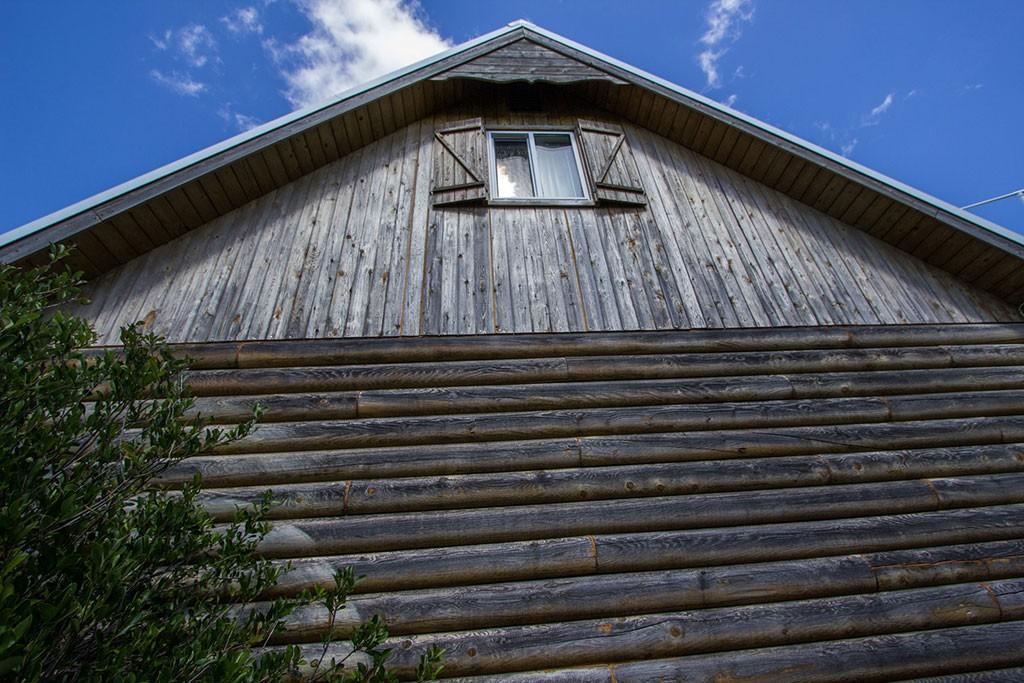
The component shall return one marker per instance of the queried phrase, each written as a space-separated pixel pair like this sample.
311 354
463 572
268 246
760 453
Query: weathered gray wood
493 650
492 525
568 485
449 459
526 61
986 537
397 431
437 401
873 658
710 249
618 595
459 163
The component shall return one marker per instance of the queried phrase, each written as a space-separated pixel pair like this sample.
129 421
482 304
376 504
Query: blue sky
926 91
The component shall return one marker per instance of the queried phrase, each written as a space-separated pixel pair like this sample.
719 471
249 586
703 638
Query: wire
1015 193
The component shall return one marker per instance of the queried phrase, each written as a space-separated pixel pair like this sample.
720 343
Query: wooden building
595 379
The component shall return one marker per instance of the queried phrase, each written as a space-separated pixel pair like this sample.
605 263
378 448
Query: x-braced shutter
460 163
610 163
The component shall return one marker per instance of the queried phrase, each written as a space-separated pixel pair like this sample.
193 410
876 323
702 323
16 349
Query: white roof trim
94 201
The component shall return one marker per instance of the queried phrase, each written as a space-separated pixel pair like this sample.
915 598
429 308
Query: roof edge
993 233
93 201
920 195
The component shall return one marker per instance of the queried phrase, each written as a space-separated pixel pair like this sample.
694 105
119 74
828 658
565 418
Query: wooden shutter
610 162
460 163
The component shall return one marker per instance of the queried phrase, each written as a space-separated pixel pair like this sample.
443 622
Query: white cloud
873 117
196 44
183 84
243 20
723 19
708 61
731 100
848 147
351 42
883 107
163 41
242 122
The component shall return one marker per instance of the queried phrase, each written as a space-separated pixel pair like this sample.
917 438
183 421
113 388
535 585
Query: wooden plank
594 451
364 533
881 657
598 302
267 291
672 267
771 299
416 271
377 496
260 173
389 234
519 648
320 302
663 550
365 222
201 202
259 219
288 159
293 308
791 304
850 194
395 271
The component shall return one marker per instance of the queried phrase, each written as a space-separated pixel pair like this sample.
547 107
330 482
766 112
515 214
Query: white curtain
557 174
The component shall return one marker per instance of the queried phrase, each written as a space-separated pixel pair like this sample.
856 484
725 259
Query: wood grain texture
526 61
636 501
360 248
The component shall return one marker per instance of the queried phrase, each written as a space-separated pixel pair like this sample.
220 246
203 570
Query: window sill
540 201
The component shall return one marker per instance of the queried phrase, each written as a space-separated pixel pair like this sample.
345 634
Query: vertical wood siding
356 249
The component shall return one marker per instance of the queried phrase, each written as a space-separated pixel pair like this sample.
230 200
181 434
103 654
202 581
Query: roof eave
975 226
96 200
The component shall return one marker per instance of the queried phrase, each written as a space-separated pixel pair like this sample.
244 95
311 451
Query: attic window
535 165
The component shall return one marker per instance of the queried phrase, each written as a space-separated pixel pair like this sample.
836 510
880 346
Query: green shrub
101 577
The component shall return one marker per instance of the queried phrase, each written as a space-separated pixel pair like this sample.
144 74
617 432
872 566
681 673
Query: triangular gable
527 61
121 224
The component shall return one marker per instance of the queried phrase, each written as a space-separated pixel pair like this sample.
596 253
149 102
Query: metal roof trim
121 189
527 27
788 137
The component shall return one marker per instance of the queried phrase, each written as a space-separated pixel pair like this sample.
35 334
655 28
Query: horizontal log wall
685 505
355 249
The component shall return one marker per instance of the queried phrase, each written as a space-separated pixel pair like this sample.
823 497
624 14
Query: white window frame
492 167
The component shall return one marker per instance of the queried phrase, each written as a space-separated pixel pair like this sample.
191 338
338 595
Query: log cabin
593 378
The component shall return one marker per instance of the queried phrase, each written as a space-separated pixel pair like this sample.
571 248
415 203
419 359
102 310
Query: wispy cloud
163 41
196 44
723 20
190 47
845 137
971 87
875 115
242 122
182 84
243 20
351 41
730 100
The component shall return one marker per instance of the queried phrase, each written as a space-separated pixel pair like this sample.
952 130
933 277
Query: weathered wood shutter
610 162
460 163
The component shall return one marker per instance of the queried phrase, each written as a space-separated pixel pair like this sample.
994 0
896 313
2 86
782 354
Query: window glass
512 166
535 165
555 164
